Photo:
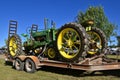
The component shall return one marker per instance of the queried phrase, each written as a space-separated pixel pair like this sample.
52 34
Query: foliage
100 20
118 38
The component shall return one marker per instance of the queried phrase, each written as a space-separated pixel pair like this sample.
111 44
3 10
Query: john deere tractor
40 43
71 43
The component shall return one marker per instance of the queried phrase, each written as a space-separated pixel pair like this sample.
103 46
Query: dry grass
114 56
50 73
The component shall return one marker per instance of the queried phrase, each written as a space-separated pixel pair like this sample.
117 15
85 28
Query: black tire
30 66
51 53
18 65
102 37
81 37
17 41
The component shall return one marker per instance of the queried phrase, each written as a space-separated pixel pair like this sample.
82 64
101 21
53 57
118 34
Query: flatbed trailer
32 63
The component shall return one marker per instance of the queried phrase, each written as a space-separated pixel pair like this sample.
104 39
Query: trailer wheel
71 42
14 46
30 66
18 65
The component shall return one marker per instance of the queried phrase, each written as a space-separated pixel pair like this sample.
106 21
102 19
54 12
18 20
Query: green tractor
70 43
40 42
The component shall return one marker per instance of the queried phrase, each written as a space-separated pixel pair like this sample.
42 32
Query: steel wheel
14 46
51 53
71 41
97 37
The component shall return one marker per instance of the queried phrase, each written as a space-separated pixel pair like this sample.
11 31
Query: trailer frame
95 63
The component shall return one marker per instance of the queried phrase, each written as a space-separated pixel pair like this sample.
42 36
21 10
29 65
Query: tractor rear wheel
98 37
71 42
14 46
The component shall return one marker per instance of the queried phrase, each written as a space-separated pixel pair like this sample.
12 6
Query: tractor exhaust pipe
46 23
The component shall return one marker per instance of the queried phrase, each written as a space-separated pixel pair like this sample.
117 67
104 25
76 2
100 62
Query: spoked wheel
14 46
51 53
30 66
98 40
71 42
18 65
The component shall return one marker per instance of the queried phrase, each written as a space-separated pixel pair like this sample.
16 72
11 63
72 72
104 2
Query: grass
50 73
114 56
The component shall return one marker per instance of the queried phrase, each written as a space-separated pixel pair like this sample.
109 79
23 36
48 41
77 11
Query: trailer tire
18 65
30 66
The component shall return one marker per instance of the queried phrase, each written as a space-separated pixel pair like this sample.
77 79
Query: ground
51 73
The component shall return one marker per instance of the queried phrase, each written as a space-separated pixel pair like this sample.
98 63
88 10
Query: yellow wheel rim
13 46
51 53
69 43
38 50
96 38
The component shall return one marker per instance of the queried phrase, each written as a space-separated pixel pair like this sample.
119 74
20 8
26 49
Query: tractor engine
39 41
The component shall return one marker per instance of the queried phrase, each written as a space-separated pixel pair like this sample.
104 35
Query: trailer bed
95 63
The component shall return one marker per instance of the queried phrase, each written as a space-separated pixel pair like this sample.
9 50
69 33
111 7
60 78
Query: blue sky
28 12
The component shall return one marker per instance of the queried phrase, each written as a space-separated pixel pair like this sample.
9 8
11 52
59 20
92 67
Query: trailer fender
34 59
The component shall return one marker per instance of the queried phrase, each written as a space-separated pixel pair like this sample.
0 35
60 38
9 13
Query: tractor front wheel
51 53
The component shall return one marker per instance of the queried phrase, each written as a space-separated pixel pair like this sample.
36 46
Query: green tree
111 41
100 20
118 39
